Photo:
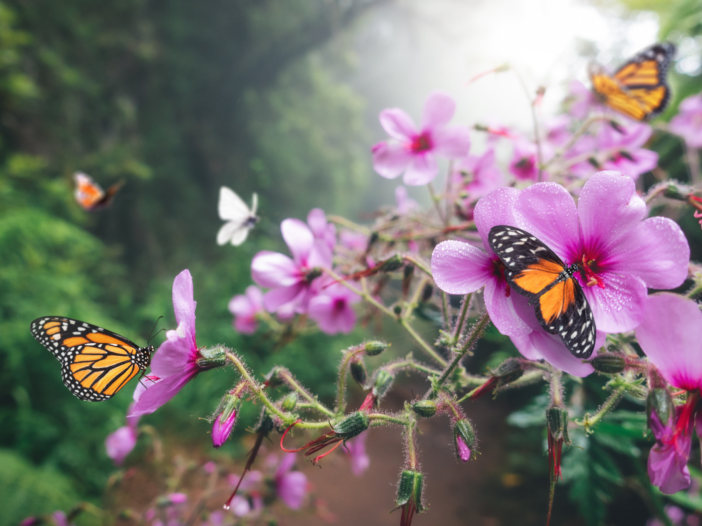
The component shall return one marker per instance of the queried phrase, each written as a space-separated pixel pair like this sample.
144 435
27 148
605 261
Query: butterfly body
90 195
240 219
638 89
535 271
95 363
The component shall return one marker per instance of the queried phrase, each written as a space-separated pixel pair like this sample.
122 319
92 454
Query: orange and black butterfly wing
91 196
95 363
535 271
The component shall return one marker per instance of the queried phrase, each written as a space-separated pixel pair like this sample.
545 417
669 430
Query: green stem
419 264
474 335
535 120
556 388
447 313
580 131
363 293
695 291
589 421
410 363
424 345
471 393
461 319
341 385
384 419
348 224
293 384
435 199
414 302
411 446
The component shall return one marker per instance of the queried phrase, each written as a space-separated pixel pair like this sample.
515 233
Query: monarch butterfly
638 89
90 195
536 272
95 362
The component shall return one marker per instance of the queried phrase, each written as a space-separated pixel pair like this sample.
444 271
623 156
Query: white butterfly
238 216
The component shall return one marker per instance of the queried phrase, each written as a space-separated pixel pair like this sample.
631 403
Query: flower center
589 271
421 143
525 164
339 304
499 271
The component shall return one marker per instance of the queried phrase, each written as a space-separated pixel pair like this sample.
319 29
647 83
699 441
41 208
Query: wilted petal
397 124
390 160
421 170
609 208
547 211
460 268
671 336
656 251
452 142
438 110
299 238
272 270
494 209
619 306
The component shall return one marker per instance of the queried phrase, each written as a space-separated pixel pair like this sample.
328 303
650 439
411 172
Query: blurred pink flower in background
688 122
289 279
324 233
474 176
290 486
121 442
356 450
403 202
355 241
245 307
525 162
332 308
629 158
414 151
583 101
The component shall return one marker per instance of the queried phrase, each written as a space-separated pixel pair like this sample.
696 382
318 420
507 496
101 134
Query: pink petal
667 469
183 304
501 308
619 306
175 354
460 268
322 309
272 270
643 161
397 124
390 160
292 488
278 298
438 110
421 170
540 344
120 443
547 211
671 336
656 251
452 142
609 209
299 238
493 209
160 392
317 221
245 325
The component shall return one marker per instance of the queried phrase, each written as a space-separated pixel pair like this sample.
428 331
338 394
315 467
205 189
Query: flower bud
351 426
608 363
509 367
274 379
225 420
425 408
427 292
358 371
557 420
409 490
660 402
289 402
464 439
313 274
212 357
374 348
382 383
393 263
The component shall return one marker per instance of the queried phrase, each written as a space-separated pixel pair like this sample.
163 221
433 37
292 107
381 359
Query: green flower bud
660 402
409 490
353 425
464 439
374 348
289 402
557 420
393 263
274 379
358 371
608 363
425 408
382 383
212 358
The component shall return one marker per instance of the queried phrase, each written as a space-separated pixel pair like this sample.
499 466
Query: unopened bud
425 408
313 274
274 379
410 488
225 419
427 292
397 309
212 357
557 420
374 348
358 371
509 367
353 425
464 439
382 383
660 402
289 402
673 192
393 263
609 363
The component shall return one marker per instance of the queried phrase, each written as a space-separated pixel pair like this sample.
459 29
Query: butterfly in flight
90 195
238 216
638 89
95 362
535 271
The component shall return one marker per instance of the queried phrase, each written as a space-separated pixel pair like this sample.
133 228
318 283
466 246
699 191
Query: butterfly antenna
152 335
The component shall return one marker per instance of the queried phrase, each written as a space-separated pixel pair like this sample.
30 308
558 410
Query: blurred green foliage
176 98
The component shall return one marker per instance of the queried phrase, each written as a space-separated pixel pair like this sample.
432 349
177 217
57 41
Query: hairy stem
461 319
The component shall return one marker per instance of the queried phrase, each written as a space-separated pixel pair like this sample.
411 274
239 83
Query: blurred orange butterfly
95 363
90 195
638 89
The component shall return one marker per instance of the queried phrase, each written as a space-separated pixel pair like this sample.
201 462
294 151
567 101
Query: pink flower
245 307
290 279
121 442
583 100
525 164
404 204
356 450
629 157
462 449
331 308
355 241
557 130
667 462
175 362
324 233
688 123
414 152
290 486
477 175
